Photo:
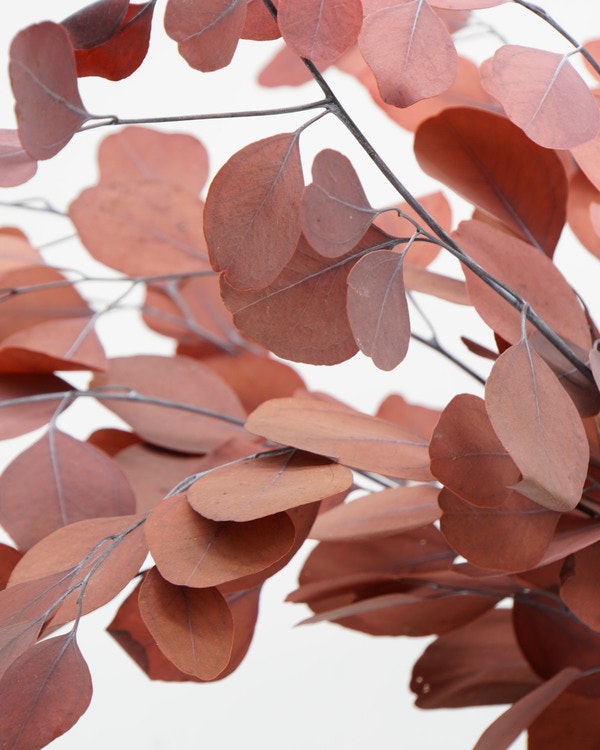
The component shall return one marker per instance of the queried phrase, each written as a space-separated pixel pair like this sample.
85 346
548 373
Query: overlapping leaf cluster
229 464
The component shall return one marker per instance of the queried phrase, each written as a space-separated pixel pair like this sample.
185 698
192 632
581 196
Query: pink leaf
16 165
48 106
377 308
542 103
465 4
409 50
320 30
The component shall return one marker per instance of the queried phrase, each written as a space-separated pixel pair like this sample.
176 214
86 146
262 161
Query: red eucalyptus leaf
587 155
190 550
44 693
42 72
516 263
260 24
264 485
96 23
137 153
465 4
378 308
582 197
409 50
124 52
286 69
264 182
472 152
192 627
478 664
420 420
379 514
206 33
320 30
16 251
279 318
542 102
505 730
26 417
422 280
335 212
112 440
467 457
16 165
109 550
57 481
539 426
9 557
142 227
511 536
573 533
180 380
568 720
580 587
337 431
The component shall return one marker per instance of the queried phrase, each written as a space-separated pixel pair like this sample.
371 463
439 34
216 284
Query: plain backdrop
320 687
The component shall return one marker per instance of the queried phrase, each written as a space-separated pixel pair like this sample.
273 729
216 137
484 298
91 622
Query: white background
320 687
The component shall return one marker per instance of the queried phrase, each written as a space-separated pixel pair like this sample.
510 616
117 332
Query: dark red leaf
206 33
264 181
42 72
9 557
570 720
580 587
96 23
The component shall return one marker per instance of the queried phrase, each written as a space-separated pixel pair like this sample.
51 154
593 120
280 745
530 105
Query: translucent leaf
16 165
582 197
538 424
320 30
206 33
378 308
337 431
42 72
264 182
260 24
410 51
472 152
96 23
542 102
265 485
44 693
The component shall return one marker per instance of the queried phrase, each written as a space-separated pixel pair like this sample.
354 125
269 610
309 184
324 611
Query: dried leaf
265 485
472 152
44 82
44 693
378 309
16 165
568 719
190 550
192 627
264 182
96 23
335 212
337 431
320 30
580 587
427 282
538 424
542 102
409 50
206 34
69 480
30 415
582 197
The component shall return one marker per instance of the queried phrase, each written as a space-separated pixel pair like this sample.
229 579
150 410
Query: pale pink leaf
16 165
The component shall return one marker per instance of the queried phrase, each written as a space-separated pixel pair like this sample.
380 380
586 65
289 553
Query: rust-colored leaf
582 197
137 153
420 420
57 481
206 33
264 182
142 228
265 485
175 380
516 263
260 24
409 50
539 426
505 730
511 536
42 73
320 30
44 693
109 550
542 102
190 550
587 155
335 212
96 23
192 627
337 431
580 587
16 165
378 309
124 52
28 416
569 720
379 514
475 665
9 557
472 152
279 318
467 457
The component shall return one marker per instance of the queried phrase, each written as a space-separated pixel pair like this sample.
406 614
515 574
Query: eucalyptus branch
30 205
